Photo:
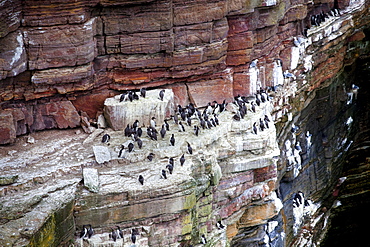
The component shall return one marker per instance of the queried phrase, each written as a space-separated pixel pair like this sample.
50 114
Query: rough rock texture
120 114
202 50
85 51
231 170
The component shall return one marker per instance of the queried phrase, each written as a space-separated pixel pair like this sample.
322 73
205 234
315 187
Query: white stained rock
101 122
102 154
295 54
278 78
253 78
271 225
91 179
119 114
31 140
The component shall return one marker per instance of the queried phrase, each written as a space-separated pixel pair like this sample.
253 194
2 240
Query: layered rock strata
202 50
84 52
229 177
119 113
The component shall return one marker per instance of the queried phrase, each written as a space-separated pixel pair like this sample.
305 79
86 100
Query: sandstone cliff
83 52
60 61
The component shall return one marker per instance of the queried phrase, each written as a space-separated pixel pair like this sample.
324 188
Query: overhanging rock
119 114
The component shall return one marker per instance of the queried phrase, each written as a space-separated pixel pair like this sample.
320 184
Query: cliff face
60 61
83 52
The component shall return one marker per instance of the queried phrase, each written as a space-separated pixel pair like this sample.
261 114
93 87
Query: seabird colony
200 121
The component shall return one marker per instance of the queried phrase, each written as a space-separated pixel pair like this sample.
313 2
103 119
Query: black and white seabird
123 97
135 124
266 123
182 159
253 107
175 118
152 122
135 96
172 140
90 231
236 117
190 149
298 199
188 121
216 120
181 127
130 96
83 232
258 100
130 147
203 239
223 105
208 124
114 235
183 115
152 133
163 131
220 225
216 109
294 128
141 179
127 130
105 138
170 168
164 174
166 125
171 161
119 232
209 109
255 128
263 97
139 142
161 94
134 136
297 147
212 122
150 156
196 130
139 132
142 92
133 236
253 64
262 125
120 151
202 123
287 75
297 42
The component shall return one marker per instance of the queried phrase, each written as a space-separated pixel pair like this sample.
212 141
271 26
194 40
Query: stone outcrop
90 50
231 170
120 114
23 119
60 62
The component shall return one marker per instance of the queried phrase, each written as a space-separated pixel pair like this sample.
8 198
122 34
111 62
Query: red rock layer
80 51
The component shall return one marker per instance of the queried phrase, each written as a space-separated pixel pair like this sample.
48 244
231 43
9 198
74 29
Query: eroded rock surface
202 51
165 211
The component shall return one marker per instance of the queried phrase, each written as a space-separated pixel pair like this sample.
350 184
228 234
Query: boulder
13 58
6 180
119 114
102 154
91 179
64 114
7 128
